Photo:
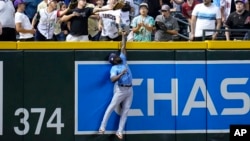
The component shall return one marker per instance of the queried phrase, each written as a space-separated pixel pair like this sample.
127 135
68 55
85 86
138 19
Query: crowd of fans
143 20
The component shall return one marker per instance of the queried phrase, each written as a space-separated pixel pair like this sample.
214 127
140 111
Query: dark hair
61 3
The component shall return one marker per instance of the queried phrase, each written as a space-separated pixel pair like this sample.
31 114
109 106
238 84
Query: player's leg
126 104
116 100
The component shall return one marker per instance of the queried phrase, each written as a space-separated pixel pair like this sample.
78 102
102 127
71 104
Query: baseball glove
73 4
161 25
126 7
119 5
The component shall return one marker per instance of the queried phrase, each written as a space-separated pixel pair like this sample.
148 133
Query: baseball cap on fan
242 1
143 5
17 2
165 7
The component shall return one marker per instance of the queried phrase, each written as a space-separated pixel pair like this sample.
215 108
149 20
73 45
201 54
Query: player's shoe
101 131
119 135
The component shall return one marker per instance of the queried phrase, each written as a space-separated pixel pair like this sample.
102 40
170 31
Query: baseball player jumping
121 75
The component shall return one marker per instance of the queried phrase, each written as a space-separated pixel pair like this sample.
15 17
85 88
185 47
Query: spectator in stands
205 16
64 25
154 6
175 5
126 13
93 23
78 18
7 19
187 9
110 23
142 25
136 7
166 25
47 19
227 7
240 19
42 5
61 28
23 25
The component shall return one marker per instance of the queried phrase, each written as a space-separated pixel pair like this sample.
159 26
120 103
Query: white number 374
41 111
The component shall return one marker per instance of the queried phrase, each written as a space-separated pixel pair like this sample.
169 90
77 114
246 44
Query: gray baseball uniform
123 93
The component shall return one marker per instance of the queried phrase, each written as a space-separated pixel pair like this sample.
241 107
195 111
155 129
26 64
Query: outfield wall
182 91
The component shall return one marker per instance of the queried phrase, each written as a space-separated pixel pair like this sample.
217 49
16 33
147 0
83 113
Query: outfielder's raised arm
123 43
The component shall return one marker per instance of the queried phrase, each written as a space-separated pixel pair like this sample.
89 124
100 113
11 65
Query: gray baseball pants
123 96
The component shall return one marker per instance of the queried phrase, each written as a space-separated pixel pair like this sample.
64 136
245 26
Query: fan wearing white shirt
127 13
205 16
23 25
7 20
47 19
109 23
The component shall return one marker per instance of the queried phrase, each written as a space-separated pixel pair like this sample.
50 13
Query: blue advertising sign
169 96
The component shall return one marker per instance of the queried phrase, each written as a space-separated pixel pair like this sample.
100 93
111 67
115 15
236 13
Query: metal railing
179 20
246 36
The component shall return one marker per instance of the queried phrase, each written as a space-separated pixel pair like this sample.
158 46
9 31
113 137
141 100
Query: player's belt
123 85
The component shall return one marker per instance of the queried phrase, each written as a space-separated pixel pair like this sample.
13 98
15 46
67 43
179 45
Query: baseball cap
143 5
242 1
165 7
112 57
17 2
